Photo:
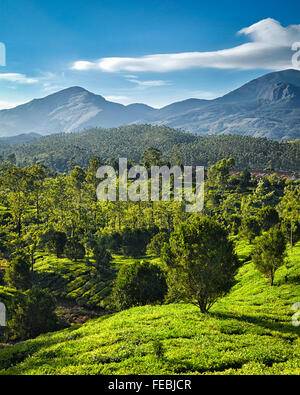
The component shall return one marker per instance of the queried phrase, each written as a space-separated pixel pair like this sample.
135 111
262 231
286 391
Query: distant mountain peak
264 87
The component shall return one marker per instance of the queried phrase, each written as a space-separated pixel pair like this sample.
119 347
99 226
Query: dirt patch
70 313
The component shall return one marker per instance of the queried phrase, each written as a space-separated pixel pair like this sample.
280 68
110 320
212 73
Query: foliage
269 252
139 284
250 227
54 241
32 314
268 217
202 261
248 332
74 250
134 242
102 257
157 242
18 273
158 349
62 151
289 208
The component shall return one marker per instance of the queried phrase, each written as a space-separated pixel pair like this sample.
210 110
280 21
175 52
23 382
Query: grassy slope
76 281
247 332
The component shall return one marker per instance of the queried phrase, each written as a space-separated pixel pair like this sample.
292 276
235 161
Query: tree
157 242
134 242
268 217
151 157
15 180
101 256
269 252
138 284
113 242
36 178
32 314
74 250
250 227
32 238
218 174
54 240
201 261
245 180
289 209
18 273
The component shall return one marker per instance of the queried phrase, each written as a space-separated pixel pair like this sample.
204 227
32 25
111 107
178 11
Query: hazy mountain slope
278 120
72 109
266 107
263 87
20 139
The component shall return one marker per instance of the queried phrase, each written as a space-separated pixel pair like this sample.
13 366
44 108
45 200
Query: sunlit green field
249 331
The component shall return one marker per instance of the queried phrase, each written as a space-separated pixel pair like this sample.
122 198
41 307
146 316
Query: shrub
138 284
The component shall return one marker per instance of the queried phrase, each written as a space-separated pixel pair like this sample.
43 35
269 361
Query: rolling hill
268 106
63 150
249 331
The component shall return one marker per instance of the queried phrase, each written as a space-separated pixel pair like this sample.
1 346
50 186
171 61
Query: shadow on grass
262 322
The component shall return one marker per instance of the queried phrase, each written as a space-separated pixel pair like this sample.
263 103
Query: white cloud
119 99
269 48
5 105
17 78
149 83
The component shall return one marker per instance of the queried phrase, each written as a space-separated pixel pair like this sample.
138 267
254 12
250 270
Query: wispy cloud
17 78
119 99
269 48
149 83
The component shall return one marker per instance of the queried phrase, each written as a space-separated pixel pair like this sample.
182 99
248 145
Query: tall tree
269 252
289 209
202 261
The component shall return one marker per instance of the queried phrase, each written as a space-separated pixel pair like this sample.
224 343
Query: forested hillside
62 151
221 282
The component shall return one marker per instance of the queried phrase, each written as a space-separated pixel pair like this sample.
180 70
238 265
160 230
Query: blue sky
150 51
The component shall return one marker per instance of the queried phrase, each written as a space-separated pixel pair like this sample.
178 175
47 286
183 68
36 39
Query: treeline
62 152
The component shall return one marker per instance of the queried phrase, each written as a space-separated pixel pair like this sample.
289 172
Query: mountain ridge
268 106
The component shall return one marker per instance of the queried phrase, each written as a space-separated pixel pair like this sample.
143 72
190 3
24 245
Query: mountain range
268 106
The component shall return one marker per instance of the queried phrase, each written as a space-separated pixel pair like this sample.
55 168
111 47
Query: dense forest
62 152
